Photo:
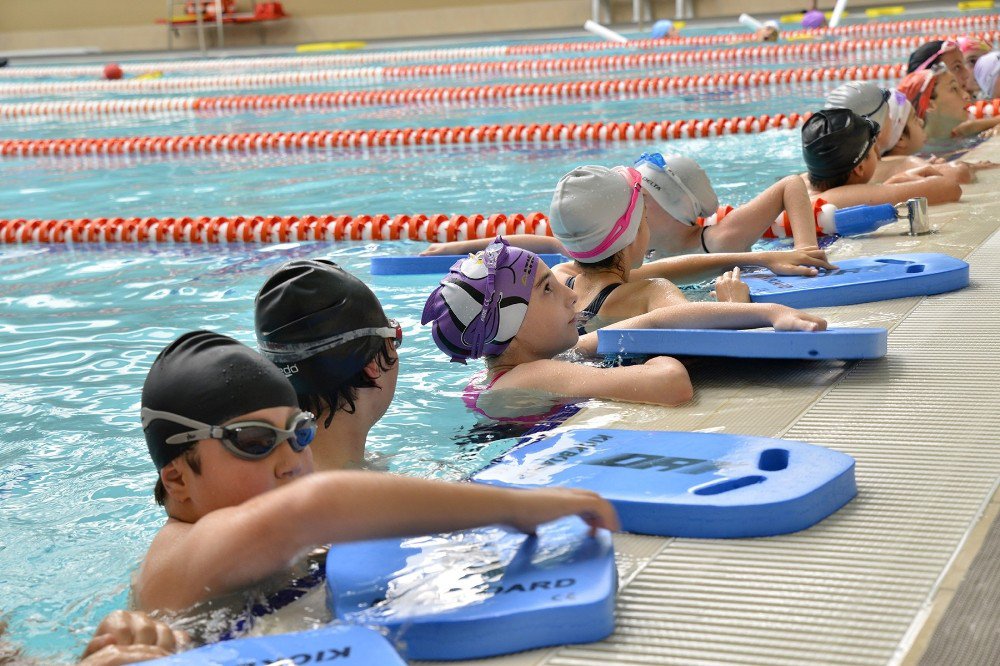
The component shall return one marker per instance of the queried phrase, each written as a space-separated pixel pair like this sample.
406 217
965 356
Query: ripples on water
78 332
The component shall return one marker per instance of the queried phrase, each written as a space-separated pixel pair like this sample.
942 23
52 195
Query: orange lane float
271 229
512 134
425 96
954 25
893 46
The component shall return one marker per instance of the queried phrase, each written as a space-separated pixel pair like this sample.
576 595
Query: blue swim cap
662 28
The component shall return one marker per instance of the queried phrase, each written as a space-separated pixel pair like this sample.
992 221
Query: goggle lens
258 441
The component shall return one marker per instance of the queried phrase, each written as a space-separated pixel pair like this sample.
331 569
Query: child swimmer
680 193
600 217
231 447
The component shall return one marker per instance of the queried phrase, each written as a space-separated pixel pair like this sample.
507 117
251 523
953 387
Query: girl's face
949 99
956 64
549 326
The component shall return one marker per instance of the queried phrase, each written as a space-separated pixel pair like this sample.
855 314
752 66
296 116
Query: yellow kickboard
875 12
975 4
329 46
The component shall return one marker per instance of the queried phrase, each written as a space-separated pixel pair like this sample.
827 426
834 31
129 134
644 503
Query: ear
372 369
174 476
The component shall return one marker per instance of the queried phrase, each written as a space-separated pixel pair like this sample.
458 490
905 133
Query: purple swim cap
480 305
813 19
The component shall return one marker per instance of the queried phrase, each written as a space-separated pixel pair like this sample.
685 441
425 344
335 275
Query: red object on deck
112 71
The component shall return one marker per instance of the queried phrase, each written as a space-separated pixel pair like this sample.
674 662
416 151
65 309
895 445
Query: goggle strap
278 352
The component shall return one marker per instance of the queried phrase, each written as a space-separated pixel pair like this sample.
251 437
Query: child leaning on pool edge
679 194
504 305
230 444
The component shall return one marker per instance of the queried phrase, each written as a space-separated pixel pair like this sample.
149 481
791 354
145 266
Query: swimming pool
80 326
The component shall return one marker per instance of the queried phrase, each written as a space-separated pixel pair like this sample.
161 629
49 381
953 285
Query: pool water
80 326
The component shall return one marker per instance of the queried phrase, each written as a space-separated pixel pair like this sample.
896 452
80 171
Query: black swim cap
210 378
306 302
922 54
834 141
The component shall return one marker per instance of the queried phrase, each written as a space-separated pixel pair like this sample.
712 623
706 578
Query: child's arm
536 244
698 267
236 546
738 231
714 315
729 288
914 183
970 127
659 381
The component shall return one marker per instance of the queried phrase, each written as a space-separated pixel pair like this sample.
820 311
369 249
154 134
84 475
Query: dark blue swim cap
210 378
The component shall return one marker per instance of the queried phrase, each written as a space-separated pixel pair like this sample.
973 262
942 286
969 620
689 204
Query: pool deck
869 584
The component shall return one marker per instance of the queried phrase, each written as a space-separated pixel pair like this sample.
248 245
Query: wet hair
614 262
343 395
193 460
824 184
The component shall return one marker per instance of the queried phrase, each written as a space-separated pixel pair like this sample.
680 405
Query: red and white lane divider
438 228
941 25
445 95
259 142
893 46
985 109
272 229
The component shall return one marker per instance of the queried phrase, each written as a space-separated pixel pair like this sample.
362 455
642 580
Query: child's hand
125 637
789 319
800 261
534 507
729 288
434 249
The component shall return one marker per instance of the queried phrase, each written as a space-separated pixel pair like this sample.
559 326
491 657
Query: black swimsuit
591 310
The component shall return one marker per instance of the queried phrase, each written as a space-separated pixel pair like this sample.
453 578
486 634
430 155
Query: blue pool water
79 327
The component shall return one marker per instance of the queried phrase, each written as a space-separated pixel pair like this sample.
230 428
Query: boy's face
869 163
226 480
549 325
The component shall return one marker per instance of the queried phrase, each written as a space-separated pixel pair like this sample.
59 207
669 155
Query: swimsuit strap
591 310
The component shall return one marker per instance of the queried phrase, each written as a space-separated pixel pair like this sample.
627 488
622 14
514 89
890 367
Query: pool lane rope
523 68
602 88
955 25
496 135
438 228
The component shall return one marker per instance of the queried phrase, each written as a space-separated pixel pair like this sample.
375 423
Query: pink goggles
622 224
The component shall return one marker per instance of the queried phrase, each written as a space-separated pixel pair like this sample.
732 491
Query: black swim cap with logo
210 378
834 141
305 303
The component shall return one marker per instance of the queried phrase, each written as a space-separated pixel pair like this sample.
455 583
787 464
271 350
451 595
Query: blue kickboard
435 264
344 644
834 343
862 280
688 484
478 593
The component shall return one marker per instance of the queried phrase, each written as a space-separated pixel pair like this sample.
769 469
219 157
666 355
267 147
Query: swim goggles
657 161
287 352
622 223
249 440
946 46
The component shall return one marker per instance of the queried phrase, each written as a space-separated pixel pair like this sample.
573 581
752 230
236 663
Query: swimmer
841 156
231 448
664 29
680 194
599 215
123 637
768 32
327 332
894 114
504 305
987 73
941 102
973 49
949 55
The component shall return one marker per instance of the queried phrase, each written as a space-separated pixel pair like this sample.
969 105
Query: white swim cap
771 23
899 113
678 185
863 98
590 212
